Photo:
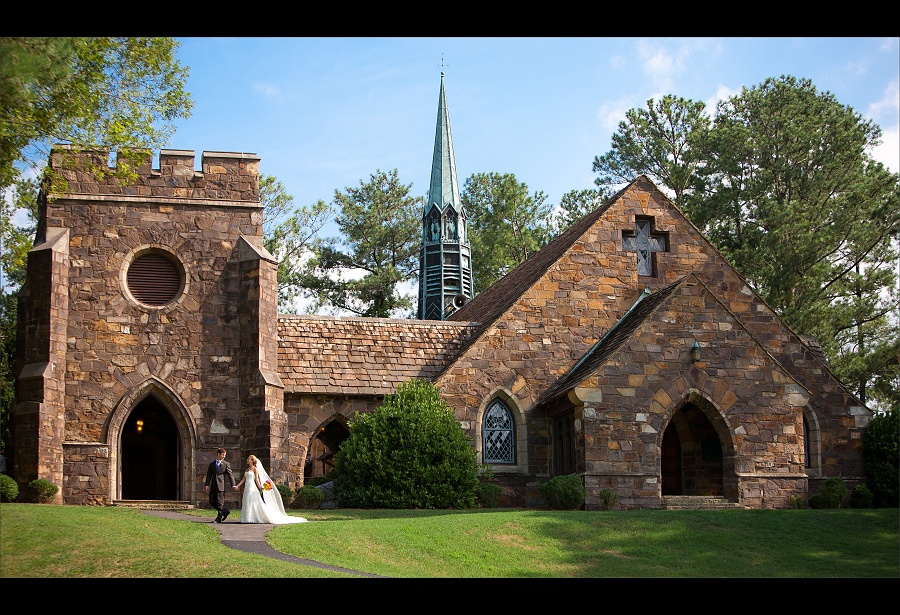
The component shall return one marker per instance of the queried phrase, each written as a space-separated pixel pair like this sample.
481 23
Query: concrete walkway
250 538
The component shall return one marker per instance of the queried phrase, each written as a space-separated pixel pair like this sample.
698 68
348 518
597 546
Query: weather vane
442 64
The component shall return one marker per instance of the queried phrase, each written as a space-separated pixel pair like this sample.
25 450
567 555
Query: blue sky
325 113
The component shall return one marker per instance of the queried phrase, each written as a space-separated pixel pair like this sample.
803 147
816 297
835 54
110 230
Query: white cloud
886 113
268 90
888 153
889 103
663 65
722 93
658 63
889 44
612 112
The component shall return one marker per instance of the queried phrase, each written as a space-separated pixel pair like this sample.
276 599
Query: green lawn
48 541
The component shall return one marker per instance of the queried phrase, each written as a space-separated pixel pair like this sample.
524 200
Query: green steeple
445 263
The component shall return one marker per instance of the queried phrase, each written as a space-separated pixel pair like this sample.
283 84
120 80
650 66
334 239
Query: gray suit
216 478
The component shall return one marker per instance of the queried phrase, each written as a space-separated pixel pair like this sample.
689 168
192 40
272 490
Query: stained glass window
498 434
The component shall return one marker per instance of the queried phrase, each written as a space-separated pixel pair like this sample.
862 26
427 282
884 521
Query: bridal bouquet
267 486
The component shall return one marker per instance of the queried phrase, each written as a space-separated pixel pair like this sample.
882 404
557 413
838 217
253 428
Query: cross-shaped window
644 241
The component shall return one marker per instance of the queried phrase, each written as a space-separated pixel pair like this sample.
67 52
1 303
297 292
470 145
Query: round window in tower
155 278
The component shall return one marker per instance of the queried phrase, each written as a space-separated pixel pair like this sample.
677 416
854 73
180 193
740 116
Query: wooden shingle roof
363 356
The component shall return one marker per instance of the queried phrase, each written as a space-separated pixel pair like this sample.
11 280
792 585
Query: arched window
812 443
498 434
805 443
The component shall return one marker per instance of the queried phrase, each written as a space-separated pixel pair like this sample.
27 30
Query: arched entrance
150 453
323 448
691 455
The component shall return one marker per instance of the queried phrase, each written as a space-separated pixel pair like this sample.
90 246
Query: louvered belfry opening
154 279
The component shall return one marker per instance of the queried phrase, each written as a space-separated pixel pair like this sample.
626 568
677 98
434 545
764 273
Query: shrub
40 491
410 452
308 496
488 495
881 451
564 492
861 497
608 497
831 495
797 502
286 494
9 488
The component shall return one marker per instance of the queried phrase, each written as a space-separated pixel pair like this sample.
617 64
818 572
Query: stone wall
580 291
112 345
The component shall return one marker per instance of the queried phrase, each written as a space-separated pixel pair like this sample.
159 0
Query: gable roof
645 305
643 310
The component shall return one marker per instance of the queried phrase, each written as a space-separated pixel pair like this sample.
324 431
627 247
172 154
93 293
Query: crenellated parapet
225 176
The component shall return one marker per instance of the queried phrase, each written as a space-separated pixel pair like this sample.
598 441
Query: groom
216 474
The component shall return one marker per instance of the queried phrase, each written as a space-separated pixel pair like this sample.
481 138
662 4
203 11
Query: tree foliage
659 141
576 204
15 242
410 452
506 224
290 234
783 184
881 449
379 249
119 92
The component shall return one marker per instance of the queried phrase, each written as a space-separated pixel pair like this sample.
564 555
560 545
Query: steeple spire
444 187
445 268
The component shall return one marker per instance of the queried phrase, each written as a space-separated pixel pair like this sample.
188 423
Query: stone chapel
627 351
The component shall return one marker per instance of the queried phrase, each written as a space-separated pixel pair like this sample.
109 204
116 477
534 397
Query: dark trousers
217 501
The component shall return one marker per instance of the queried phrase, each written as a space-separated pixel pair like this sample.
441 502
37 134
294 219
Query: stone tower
148 330
445 269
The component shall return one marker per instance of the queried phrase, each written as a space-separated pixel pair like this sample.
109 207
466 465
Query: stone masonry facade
574 339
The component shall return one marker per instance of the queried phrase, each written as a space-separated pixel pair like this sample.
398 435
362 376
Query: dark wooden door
671 462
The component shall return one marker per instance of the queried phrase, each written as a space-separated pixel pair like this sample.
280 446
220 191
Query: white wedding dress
268 508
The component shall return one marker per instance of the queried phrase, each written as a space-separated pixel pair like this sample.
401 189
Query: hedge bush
832 494
861 497
564 492
40 491
608 497
410 452
488 495
9 488
308 496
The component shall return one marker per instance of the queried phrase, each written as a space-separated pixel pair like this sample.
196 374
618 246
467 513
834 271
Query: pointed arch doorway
692 454
323 447
150 453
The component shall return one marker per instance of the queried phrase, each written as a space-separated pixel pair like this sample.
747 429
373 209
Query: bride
260 505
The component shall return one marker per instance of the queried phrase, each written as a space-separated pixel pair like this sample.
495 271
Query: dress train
259 508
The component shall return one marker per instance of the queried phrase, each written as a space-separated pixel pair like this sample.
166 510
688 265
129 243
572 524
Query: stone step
154 504
697 502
